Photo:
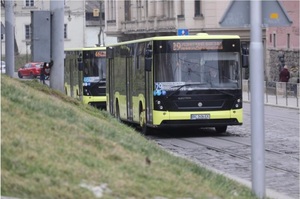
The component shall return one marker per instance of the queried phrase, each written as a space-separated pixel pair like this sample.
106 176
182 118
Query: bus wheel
221 129
144 128
118 112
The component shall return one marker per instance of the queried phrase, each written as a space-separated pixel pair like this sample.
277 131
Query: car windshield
199 70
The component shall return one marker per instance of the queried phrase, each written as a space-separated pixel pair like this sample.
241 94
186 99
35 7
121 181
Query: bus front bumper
163 119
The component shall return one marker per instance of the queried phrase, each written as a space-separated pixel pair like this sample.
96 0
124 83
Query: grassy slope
52 144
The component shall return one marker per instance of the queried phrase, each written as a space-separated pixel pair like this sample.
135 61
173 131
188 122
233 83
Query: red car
31 69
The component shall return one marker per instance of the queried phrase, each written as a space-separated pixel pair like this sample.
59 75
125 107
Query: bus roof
94 48
186 37
86 48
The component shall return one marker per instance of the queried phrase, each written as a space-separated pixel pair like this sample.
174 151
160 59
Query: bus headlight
158 105
86 92
238 103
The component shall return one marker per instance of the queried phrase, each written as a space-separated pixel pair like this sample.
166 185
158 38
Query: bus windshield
199 70
94 69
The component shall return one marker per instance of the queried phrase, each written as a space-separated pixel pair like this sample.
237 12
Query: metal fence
277 93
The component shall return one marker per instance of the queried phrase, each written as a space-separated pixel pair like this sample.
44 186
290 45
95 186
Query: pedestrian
284 75
42 75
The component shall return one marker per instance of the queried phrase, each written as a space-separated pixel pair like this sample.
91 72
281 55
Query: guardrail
276 93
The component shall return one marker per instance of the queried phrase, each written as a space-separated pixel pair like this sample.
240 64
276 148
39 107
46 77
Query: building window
65 31
147 7
29 3
27 32
270 38
169 8
288 42
139 9
182 7
127 10
274 40
90 16
111 10
198 8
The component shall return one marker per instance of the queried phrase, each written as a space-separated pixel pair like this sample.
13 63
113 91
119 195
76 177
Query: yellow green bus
176 81
85 75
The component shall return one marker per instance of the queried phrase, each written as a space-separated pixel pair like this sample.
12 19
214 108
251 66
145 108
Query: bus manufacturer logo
200 104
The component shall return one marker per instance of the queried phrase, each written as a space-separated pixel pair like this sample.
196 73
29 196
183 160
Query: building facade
81 24
133 19
283 44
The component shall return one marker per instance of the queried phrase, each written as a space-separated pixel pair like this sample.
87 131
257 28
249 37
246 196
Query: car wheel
19 75
32 76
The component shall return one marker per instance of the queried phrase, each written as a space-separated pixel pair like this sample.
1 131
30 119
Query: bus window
101 63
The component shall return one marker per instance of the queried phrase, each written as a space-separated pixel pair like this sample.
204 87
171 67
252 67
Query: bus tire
221 129
118 112
144 129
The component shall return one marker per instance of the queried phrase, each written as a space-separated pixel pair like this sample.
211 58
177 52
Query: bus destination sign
197 45
100 54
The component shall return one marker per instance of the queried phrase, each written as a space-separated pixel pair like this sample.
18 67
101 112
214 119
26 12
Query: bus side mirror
245 55
245 61
109 52
80 64
148 64
148 60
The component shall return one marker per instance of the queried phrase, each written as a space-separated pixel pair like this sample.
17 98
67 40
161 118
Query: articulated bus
176 81
85 75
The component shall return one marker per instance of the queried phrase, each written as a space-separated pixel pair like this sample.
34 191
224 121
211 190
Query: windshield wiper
224 92
184 85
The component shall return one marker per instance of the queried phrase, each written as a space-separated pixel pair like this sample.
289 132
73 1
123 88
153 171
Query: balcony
149 26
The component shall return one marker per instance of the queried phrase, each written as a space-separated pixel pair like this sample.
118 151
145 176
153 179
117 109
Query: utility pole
57 45
257 100
9 38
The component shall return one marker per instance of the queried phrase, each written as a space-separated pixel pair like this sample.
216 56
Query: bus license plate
200 116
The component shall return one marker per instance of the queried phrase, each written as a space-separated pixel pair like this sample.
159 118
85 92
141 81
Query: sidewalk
276 100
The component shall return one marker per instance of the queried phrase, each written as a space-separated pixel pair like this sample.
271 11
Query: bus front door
129 88
110 85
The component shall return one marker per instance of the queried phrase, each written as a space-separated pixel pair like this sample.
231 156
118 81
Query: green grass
52 146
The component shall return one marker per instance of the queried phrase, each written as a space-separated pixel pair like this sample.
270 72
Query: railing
166 24
276 93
